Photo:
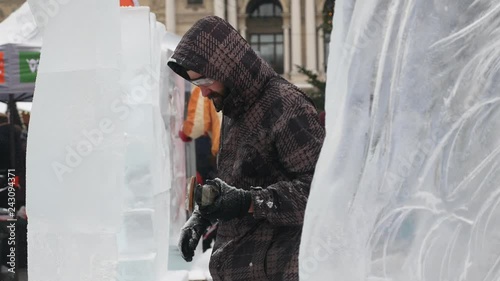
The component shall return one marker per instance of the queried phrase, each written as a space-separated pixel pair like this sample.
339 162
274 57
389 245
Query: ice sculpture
406 187
75 158
173 120
98 156
143 239
173 107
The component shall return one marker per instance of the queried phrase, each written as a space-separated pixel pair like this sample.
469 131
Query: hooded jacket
270 142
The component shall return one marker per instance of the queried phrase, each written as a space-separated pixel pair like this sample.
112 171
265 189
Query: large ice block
99 170
406 187
145 233
172 107
75 148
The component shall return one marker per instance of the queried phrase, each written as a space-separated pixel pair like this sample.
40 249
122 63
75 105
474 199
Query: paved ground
23 276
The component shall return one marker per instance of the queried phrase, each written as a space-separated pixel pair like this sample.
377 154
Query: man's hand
191 233
229 203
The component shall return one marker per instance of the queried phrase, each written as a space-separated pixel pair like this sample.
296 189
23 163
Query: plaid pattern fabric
270 142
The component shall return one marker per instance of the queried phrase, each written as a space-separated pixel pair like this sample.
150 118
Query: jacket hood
213 48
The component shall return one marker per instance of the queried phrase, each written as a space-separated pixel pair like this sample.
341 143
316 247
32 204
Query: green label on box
28 66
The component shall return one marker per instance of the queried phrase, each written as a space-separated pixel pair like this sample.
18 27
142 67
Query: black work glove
228 202
191 233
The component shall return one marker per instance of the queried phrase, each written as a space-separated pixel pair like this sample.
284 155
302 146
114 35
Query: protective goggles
202 81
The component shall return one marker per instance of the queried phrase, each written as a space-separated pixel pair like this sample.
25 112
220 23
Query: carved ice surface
75 147
145 225
407 184
98 165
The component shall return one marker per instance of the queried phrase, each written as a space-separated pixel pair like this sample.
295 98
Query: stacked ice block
75 161
99 170
143 243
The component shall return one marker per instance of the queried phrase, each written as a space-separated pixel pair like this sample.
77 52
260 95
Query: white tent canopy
20 28
20 43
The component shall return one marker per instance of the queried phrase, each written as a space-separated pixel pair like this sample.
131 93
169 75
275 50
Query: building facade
8 6
286 33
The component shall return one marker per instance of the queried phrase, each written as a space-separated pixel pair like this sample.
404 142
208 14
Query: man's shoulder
295 102
290 94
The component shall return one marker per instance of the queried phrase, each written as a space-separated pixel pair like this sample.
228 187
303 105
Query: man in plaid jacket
270 142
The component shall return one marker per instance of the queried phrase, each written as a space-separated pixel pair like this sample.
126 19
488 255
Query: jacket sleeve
194 124
298 139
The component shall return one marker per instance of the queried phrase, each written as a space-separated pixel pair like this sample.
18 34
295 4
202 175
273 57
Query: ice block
406 187
99 171
145 232
75 163
172 106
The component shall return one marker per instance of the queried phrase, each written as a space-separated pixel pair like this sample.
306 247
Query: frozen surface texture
172 104
99 171
173 115
144 235
172 109
75 157
406 187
